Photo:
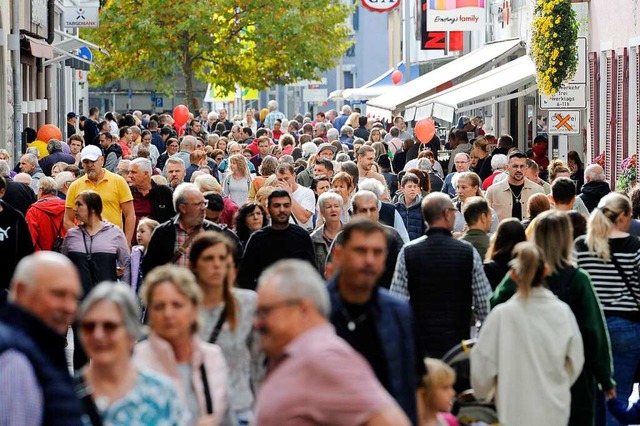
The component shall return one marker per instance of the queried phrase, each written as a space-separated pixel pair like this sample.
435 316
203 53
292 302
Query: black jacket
161 199
161 247
19 195
592 192
46 164
44 348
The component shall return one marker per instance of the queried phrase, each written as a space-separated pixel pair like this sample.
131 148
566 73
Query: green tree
252 43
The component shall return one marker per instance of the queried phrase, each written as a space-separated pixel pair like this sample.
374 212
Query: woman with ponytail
553 234
529 352
611 256
227 315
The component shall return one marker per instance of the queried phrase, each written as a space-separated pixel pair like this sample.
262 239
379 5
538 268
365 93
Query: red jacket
45 218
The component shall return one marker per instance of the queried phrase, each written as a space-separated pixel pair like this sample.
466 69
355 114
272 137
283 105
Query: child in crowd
436 395
143 235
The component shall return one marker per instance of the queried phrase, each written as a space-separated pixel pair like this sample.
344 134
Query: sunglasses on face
109 327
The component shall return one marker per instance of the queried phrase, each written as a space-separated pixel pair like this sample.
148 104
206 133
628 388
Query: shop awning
39 48
379 86
512 80
469 65
67 47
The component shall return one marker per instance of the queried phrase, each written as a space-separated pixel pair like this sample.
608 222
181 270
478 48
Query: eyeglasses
109 327
263 311
204 203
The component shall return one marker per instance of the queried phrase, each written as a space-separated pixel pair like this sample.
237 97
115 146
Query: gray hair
499 162
346 110
372 185
329 196
180 193
63 178
362 194
54 145
297 279
27 269
321 126
5 170
425 165
594 173
135 129
24 178
48 185
188 141
33 158
143 163
287 159
272 105
342 157
434 206
176 160
120 295
346 130
33 150
333 134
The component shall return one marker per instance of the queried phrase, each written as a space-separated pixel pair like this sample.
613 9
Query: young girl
436 395
530 345
143 235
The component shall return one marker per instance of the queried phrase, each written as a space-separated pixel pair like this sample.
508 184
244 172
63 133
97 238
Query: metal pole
17 82
406 43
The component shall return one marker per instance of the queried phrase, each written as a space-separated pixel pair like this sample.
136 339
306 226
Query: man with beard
376 324
117 200
280 240
171 241
176 171
366 158
509 198
314 377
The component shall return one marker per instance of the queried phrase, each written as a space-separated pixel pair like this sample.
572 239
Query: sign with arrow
563 122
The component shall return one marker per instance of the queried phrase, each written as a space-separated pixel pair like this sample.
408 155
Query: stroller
468 410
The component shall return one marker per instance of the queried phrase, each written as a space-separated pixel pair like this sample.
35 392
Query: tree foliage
252 43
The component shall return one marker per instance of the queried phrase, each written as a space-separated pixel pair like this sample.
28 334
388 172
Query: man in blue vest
376 324
37 387
443 279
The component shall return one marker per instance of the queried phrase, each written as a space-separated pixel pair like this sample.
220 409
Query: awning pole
406 44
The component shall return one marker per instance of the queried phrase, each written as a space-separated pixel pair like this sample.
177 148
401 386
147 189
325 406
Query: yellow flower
555 35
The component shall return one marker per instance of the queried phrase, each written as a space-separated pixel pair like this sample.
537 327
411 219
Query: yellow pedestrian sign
563 122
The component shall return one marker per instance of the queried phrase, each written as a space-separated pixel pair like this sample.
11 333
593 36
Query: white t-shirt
305 197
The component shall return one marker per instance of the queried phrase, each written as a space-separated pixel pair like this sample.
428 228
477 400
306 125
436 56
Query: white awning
489 88
471 64
66 48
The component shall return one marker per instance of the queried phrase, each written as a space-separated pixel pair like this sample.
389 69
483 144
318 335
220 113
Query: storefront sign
380 5
455 15
85 15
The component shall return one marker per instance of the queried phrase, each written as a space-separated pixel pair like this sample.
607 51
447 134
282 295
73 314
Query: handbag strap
207 391
625 278
218 327
183 248
83 392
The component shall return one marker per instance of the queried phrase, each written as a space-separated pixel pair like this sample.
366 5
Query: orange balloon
48 132
425 130
180 115
396 76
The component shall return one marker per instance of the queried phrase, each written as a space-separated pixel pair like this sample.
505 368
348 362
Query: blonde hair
473 179
207 183
554 235
529 267
438 373
241 164
182 279
149 223
602 222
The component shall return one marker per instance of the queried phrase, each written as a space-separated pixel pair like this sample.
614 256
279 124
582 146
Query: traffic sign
159 102
569 96
563 122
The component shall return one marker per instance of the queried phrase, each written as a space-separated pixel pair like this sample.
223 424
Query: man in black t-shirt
280 240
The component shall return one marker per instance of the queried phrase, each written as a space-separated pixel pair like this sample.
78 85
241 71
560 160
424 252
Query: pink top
320 380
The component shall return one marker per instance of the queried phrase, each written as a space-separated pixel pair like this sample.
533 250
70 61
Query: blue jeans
625 347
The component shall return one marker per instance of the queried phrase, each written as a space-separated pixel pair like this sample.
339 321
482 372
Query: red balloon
48 132
425 130
181 115
396 76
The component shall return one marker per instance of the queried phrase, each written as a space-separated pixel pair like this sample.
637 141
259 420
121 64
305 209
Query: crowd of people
314 270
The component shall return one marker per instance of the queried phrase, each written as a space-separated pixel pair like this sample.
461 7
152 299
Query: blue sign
130 93
85 53
159 102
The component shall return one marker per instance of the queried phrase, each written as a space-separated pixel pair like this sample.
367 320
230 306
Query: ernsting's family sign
455 15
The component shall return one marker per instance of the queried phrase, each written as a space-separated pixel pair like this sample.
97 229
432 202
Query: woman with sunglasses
228 319
197 368
112 389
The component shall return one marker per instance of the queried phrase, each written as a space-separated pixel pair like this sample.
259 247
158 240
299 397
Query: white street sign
563 122
570 96
314 95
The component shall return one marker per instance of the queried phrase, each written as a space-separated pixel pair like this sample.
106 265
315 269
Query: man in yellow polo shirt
117 200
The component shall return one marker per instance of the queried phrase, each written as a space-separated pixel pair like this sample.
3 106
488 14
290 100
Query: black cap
71 115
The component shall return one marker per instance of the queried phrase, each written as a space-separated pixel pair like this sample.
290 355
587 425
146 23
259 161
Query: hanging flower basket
627 177
553 46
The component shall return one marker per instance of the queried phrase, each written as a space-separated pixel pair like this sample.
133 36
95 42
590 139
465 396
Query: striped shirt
610 286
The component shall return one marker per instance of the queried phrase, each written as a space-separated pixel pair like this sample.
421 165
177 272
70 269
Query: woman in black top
509 233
